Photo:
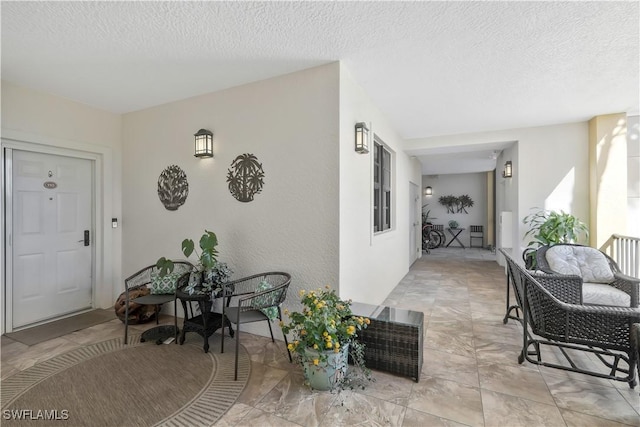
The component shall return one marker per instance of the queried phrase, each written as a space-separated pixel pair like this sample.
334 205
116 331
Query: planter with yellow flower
324 336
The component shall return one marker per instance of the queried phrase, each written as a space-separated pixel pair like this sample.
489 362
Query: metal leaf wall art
245 177
173 187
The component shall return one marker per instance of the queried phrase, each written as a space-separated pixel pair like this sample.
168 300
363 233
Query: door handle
86 238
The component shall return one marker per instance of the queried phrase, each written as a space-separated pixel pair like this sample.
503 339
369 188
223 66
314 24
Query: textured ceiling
433 68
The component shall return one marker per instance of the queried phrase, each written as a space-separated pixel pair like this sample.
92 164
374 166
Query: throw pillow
161 285
588 263
270 312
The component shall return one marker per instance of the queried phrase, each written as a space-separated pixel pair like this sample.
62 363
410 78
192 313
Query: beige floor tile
292 400
351 409
515 381
448 399
392 388
576 419
591 399
414 418
504 410
462 369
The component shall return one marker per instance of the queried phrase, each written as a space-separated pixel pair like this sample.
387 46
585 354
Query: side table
205 323
455 232
393 339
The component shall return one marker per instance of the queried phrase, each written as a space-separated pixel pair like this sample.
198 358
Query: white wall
472 184
291 124
370 265
44 122
633 169
550 169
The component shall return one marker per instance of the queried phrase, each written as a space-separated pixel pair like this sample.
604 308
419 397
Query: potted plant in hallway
549 228
324 336
209 274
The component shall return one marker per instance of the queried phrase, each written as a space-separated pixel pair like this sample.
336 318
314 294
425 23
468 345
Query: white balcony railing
625 251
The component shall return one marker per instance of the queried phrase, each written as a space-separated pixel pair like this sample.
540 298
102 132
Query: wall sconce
204 143
508 170
428 191
362 138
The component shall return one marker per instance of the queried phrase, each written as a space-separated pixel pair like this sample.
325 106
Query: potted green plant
453 224
549 228
324 336
209 273
426 215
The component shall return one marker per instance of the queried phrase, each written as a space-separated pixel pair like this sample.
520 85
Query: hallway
470 374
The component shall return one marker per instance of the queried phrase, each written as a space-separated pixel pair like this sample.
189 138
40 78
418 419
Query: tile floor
470 375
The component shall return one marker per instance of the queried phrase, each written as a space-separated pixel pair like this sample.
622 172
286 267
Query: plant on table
213 273
549 228
325 327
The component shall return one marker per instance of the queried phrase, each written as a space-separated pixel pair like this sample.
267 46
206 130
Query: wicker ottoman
393 340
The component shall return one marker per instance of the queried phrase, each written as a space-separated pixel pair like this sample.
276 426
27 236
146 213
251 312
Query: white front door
51 258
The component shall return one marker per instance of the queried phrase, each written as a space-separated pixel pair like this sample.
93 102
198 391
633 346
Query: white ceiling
434 68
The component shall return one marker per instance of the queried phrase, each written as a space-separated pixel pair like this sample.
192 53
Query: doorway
49 236
415 224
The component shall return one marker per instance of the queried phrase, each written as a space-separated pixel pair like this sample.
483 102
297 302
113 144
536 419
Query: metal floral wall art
456 204
173 187
245 177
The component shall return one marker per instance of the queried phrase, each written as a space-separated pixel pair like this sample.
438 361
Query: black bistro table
203 321
455 232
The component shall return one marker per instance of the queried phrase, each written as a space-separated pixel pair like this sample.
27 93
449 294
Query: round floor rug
110 384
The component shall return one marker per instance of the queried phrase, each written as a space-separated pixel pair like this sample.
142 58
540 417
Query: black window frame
382 187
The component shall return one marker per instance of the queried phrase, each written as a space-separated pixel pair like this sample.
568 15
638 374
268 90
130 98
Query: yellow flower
315 346
360 320
316 361
337 345
325 334
340 307
351 330
315 301
336 350
291 347
303 332
367 321
329 344
302 292
319 305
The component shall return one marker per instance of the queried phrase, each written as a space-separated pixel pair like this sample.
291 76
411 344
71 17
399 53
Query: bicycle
431 238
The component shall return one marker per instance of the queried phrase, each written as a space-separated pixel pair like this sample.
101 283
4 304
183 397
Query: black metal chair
476 232
142 280
246 300
553 317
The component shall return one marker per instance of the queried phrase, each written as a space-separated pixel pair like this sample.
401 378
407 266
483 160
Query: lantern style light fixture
508 170
362 138
428 191
204 143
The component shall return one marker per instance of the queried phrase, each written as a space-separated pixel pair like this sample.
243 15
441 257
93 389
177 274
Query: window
381 188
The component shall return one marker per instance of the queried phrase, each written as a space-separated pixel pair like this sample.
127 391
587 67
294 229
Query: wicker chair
249 298
142 279
576 284
553 317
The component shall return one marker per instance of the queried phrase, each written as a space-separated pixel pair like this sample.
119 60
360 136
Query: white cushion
599 294
588 263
